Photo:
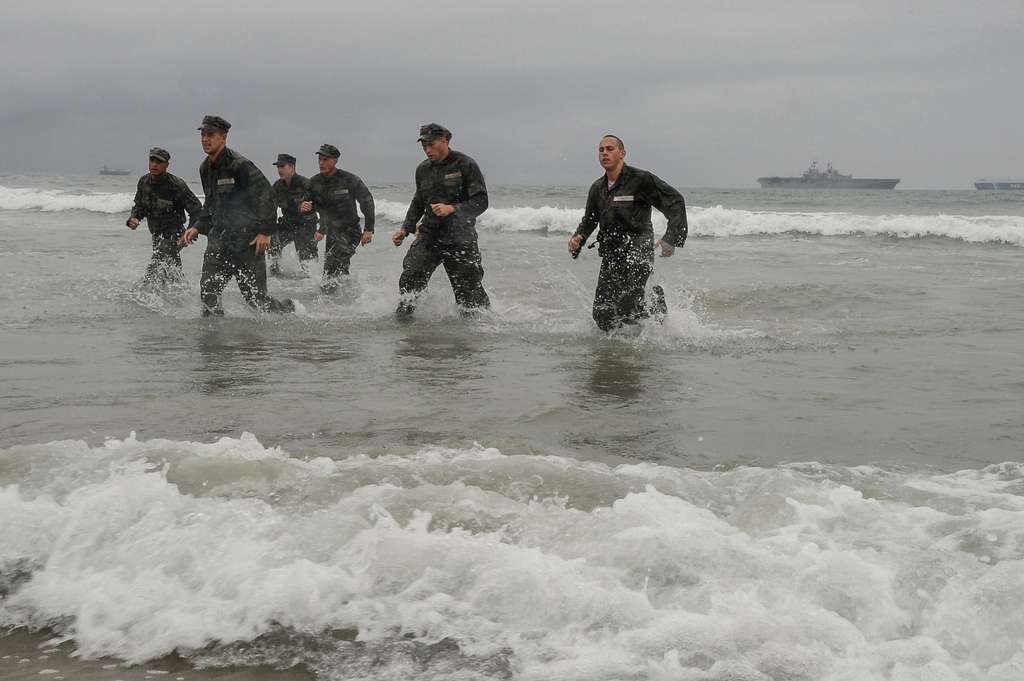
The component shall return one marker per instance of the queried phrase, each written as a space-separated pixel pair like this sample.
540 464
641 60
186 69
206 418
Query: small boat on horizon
112 171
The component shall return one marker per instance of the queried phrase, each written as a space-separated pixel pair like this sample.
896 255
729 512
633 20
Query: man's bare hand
319 236
306 207
442 210
398 237
575 244
262 243
667 249
366 238
133 223
190 235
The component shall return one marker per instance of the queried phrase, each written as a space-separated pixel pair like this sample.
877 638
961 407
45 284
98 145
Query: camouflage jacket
624 209
239 200
456 180
163 201
334 199
288 197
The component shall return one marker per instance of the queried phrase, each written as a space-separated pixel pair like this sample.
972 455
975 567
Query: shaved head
618 141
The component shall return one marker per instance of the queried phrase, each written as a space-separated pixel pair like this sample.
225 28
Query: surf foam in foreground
467 563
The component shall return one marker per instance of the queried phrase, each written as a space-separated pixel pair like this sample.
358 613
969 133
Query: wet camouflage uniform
626 240
163 201
239 205
449 241
334 198
293 226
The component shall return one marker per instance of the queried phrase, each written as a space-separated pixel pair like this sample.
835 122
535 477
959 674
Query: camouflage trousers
165 262
462 263
221 262
303 236
626 265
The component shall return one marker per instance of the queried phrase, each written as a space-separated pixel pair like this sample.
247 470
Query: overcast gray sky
704 93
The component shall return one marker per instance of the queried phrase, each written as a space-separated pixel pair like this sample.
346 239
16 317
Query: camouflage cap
329 150
284 160
431 131
214 124
160 154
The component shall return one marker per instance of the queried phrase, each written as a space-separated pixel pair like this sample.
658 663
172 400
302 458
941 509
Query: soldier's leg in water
216 273
175 249
284 236
164 263
619 298
465 270
632 305
418 265
337 257
251 275
156 261
305 243
609 283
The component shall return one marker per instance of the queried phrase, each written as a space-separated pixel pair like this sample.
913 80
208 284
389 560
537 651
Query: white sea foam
540 567
716 221
54 200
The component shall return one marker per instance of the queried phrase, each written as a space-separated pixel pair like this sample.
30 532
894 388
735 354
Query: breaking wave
473 564
55 200
716 221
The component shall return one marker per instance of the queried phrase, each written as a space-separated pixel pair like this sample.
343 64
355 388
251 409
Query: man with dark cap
620 202
334 193
450 195
162 199
292 226
238 219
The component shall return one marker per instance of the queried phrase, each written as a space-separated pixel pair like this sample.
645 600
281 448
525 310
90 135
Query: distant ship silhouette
813 178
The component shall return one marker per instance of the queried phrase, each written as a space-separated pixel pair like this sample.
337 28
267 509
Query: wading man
334 193
293 226
620 203
450 195
162 199
238 220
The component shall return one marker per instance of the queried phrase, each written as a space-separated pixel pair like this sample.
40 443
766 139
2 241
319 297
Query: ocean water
812 470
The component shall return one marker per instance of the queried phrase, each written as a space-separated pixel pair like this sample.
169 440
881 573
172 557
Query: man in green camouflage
162 199
293 226
450 195
238 219
334 193
620 203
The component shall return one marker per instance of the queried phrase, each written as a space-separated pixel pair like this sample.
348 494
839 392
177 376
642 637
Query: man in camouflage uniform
238 220
620 202
450 195
162 199
292 226
334 193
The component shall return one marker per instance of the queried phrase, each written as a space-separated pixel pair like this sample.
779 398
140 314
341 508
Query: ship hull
1000 185
804 183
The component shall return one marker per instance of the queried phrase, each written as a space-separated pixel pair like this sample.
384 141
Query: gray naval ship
814 178
999 185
